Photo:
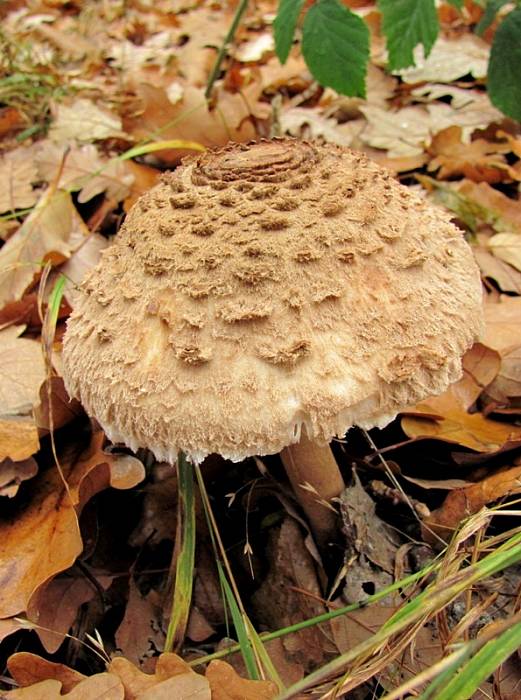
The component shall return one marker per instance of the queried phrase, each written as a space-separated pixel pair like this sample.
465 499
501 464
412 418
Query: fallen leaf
145 178
447 418
140 630
44 539
449 60
81 120
22 370
255 50
291 593
63 408
503 320
305 122
54 607
173 678
10 120
358 626
507 247
190 119
507 278
502 212
27 669
82 169
17 172
462 503
13 473
80 263
105 686
226 684
18 437
52 230
478 160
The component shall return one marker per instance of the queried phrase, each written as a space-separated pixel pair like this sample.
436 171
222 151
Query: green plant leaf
491 10
284 26
407 23
458 4
504 86
335 45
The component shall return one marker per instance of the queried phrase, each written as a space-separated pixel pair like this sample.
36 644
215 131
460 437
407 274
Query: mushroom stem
306 462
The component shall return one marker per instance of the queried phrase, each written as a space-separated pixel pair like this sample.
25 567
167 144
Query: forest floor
97 99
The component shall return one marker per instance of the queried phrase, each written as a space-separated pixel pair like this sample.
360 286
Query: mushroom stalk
308 464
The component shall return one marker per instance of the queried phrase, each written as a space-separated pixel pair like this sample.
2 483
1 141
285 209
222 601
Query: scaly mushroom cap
265 287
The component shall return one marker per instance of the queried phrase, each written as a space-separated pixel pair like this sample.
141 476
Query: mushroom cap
265 287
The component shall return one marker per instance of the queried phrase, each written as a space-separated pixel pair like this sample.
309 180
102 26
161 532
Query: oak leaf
82 120
102 685
28 669
13 473
447 417
226 684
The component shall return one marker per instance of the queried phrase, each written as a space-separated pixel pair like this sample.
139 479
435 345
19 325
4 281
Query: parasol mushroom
265 298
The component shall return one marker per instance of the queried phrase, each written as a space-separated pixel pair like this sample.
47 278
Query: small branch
228 39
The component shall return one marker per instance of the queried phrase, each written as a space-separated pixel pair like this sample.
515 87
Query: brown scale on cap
304 271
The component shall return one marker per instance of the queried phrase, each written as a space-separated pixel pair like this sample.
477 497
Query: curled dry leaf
464 502
52 230
447 417
226 684
17 172
83 121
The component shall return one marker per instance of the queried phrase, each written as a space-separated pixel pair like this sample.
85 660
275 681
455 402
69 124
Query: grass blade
185 544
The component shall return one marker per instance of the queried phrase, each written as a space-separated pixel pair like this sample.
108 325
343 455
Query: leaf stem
241 7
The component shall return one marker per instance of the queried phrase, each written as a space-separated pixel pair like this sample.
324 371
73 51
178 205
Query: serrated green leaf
504 86
458 4
335 46
407 23
284 26
491 10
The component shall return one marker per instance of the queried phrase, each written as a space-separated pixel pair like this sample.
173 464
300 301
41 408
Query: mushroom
265 298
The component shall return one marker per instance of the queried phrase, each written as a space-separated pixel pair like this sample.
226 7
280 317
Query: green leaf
284 26
407 23
491 10
335 45
504 86
458 4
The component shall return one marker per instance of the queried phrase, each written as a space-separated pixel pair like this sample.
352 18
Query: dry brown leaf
54 607
44 538
81 120
462 503
449 60
479 160
226 684
504 213
52 230
44 690
503 320
290 593
64 409
306 122
13 473
22 369
140 630
145 178
191 120
507 247
18 437
82 169
356 627
28 669
81 262
446 417
173 678
17 172
507 278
